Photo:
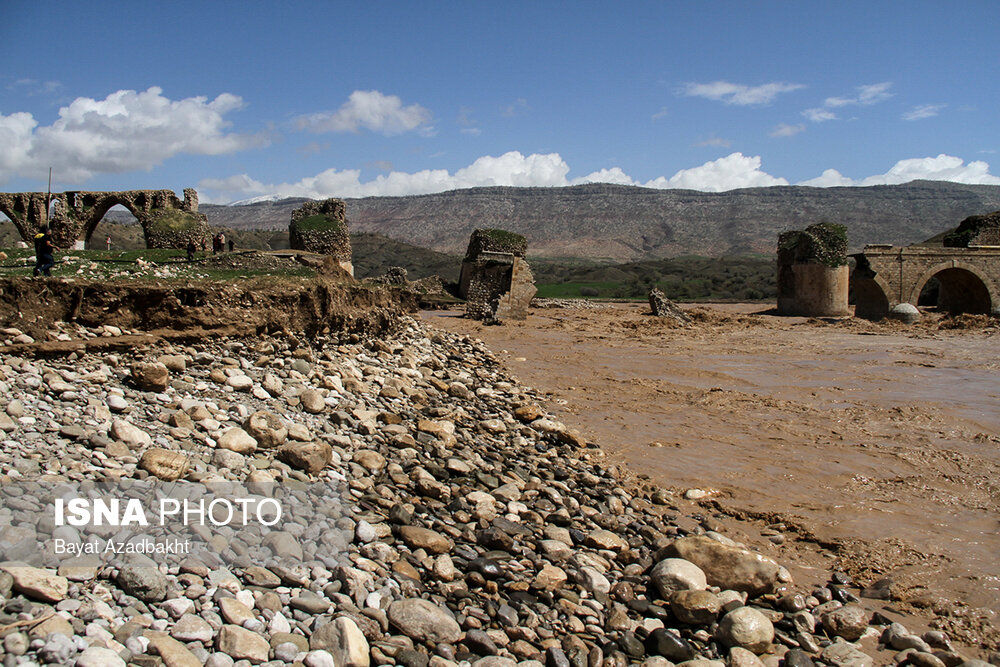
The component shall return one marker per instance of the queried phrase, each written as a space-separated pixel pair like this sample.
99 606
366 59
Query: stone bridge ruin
167 222
966 270
496 281
321 227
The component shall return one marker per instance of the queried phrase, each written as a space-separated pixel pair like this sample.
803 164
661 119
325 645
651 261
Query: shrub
822 243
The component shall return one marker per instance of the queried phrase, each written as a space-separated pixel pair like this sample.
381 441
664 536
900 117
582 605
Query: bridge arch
167 222
964 288
871 300
101 208
869 290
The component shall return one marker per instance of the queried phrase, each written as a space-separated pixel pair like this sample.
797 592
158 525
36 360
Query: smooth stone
143 582
344 641
96 656
843 654
728 567
422 620
37 583
747 628
849 622
676 574
240 643
417 537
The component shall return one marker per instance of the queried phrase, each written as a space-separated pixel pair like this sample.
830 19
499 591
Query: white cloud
867 95
370 110
874 93
614 175
923 111
829 179
515 108
785 130
727 173
940 168
126 131
737 93
819 115
716 142
511 169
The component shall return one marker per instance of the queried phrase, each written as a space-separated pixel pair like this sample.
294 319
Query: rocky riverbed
435 515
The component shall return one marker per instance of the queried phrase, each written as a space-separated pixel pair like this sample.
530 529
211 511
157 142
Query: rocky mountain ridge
624 223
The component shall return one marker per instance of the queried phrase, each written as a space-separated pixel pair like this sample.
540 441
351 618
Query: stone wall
497 284
321 227
167 222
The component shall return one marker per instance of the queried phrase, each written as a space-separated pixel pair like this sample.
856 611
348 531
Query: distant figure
108 241
222 242
43 252
232 244
191 249
204 244
217 244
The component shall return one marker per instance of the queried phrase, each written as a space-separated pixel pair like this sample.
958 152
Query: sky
337 99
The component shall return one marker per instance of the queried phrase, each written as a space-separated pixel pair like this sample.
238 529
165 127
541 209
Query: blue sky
334 99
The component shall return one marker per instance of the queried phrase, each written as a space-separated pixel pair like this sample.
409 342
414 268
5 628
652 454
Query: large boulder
728 567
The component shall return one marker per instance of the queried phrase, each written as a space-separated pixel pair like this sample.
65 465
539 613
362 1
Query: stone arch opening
868 292
122 226
870 300
959 290
8 232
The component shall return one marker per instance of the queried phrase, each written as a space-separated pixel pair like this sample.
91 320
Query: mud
871 448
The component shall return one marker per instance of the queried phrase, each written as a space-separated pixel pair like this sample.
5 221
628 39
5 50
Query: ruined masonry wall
335 241
75 215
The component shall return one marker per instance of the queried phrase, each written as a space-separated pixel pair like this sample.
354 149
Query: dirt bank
874 448
259 305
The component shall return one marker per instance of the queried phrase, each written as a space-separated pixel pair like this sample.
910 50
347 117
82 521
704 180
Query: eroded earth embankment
261 305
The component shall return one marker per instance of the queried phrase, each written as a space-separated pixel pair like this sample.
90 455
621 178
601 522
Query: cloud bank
126 131
546 170
940 168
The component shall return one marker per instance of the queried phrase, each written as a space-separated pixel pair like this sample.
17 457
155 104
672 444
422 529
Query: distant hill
623 223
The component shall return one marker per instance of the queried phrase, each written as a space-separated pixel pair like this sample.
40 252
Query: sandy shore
877 444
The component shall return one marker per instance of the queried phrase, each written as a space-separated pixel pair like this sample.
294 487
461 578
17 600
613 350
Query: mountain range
626 223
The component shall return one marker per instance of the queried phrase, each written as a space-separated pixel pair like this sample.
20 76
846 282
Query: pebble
454 522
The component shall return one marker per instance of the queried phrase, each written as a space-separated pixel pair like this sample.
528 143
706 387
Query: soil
261 305
872 448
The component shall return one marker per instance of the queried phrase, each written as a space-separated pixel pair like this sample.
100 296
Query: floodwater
880 442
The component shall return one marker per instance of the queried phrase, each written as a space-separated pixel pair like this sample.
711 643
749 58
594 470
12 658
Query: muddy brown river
876 445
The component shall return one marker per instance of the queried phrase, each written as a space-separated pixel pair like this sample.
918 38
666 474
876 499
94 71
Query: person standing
44 261
108 241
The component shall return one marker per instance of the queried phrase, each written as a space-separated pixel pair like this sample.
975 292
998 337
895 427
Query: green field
691 278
